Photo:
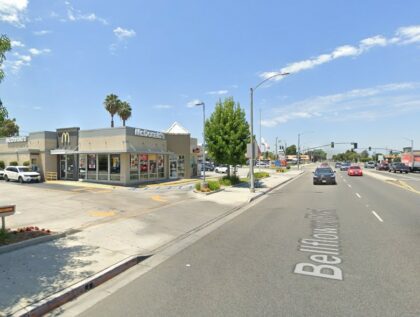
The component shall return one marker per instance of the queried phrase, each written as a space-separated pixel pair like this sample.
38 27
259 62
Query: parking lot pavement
60 207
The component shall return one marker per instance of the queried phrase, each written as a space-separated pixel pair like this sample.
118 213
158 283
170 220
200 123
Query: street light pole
298 151
204 143
251 161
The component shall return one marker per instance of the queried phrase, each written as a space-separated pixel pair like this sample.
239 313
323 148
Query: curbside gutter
34 241
48 304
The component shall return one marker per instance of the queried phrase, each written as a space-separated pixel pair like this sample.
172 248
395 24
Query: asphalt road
256 265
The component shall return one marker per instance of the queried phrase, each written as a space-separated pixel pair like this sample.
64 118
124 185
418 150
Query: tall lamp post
204 185
251 161
298 149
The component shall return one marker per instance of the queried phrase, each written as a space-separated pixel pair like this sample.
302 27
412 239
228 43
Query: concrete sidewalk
34 273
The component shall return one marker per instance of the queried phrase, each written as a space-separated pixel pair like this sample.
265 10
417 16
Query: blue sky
354 65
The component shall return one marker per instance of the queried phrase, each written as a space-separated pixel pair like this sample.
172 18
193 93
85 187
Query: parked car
324 175
344 166
370 164
262 164
337 164
382 166
221 169
21 174
354 170
398 167
208 166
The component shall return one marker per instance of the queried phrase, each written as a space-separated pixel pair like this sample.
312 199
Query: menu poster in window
133 160
143 157
92 162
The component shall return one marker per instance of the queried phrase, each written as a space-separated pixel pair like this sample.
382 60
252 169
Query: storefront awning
62 152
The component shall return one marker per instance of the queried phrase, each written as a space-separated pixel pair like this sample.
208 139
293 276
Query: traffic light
370 148
332 144
355 145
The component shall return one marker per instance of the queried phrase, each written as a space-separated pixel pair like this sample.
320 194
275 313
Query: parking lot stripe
377 216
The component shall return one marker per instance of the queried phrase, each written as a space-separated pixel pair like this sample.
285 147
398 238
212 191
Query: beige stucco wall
180 144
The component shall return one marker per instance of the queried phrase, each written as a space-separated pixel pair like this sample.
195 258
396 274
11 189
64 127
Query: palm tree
124 111
112 104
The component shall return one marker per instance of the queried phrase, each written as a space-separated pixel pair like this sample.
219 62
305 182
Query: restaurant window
152 166
115 167
144 166
134 167
161 166
181 166
91 170
103 167
82 166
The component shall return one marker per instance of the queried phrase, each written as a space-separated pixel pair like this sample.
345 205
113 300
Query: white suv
21 174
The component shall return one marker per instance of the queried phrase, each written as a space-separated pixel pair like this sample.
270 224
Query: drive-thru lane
278 257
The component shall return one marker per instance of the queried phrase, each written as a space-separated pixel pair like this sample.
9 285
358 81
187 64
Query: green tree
112 104
9 128
5 46
317 155
227 133
291 150
124 111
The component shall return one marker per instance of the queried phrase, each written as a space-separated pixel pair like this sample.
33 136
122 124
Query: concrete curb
209 193
34 241
272 188
49 303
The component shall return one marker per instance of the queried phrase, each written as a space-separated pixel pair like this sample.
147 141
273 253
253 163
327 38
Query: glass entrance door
62 167
67 167
173 167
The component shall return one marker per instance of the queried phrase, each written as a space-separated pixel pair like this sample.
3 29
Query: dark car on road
324 175
337 164
344 166
399 167
382 166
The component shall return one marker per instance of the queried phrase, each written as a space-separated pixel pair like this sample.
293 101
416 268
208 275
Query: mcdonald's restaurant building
121 156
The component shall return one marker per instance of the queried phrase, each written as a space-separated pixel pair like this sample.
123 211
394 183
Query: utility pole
298 151
277 152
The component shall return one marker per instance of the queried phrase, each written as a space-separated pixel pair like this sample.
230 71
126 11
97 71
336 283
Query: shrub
13 163
229 181
259 175
288 167
214 185
2 165
198 186
26 163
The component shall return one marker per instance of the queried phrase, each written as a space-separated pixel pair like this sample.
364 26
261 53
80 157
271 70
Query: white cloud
77 15
362 104
122 33
409 34
35 51
218 92
193 103
42 32
11 11
163 106
404 35
16 44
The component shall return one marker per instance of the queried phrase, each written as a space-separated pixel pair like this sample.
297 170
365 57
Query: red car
354 171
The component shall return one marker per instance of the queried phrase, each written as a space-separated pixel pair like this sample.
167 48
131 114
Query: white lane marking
344 180
349 185
377 216
357 194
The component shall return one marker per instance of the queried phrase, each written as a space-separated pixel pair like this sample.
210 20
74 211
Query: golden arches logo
65 138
